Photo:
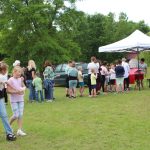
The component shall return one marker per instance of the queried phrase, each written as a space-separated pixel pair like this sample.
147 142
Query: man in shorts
119 70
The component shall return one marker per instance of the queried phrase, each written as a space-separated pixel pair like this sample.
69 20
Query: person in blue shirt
73 74
119 70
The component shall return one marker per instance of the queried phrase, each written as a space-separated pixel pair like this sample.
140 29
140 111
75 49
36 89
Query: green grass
108 122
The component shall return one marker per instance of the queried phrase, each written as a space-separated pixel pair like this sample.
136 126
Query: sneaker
49 100
10 137
67 95
21 133
73 96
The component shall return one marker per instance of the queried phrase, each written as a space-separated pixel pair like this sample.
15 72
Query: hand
23 88
20 92
22 79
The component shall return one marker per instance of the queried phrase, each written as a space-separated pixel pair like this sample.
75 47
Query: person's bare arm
11 90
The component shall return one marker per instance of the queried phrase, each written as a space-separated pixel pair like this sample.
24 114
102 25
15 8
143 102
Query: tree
30 29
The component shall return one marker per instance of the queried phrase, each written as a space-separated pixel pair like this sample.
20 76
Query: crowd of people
102 77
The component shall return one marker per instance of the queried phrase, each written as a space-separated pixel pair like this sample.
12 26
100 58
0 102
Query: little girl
81 81
17 97
93 82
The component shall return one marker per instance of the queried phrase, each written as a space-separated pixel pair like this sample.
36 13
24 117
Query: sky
136 10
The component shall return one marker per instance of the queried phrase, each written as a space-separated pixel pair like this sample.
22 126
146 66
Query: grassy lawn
108 122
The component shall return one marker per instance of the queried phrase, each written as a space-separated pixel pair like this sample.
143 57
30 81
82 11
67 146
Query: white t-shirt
104 70
3 80
143 67
112 74
126 69
94 66
133 63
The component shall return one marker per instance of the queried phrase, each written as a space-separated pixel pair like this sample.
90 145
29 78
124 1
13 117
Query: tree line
49 29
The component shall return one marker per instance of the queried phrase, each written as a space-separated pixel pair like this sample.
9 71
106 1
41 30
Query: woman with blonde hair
30 72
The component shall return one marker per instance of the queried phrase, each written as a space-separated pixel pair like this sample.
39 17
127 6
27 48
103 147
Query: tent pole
138 70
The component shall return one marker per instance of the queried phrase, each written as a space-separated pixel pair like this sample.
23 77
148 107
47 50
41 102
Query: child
37 83
93 82
112 78
17 98
3 114
81 82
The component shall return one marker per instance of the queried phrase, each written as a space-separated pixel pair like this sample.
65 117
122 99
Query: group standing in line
100 75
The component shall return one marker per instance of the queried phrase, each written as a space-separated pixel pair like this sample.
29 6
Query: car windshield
64 67
58 68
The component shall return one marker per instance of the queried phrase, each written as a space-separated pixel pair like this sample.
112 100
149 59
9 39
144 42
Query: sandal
10 137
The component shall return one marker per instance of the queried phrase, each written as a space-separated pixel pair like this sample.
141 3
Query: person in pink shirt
104 72
16 89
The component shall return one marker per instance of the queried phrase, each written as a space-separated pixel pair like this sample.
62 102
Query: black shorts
112 81
67 82
93 86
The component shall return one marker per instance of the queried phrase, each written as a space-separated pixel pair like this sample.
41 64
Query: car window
84 65
64 67
58 68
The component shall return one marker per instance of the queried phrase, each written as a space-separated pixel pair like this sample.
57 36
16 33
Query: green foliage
29 31
146 56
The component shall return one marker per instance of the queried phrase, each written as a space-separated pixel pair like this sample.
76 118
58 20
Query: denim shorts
17 108
81 84
72 83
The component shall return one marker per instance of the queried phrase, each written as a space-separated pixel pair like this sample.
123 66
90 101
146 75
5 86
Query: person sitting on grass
3 114
119 70
81 81
93 82
37 83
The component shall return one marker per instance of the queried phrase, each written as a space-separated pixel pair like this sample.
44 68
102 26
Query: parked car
60 79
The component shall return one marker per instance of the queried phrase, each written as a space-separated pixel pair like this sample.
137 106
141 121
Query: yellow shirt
80 76
93 79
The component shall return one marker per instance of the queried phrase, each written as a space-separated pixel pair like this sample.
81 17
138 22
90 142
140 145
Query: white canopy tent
137 41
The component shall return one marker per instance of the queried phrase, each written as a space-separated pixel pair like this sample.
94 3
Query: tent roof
136 40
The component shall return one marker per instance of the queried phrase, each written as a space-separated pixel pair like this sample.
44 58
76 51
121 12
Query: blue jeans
37 95
31 90
4 117
49 89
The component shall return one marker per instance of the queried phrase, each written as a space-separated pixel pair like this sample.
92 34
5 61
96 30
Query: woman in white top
91 65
